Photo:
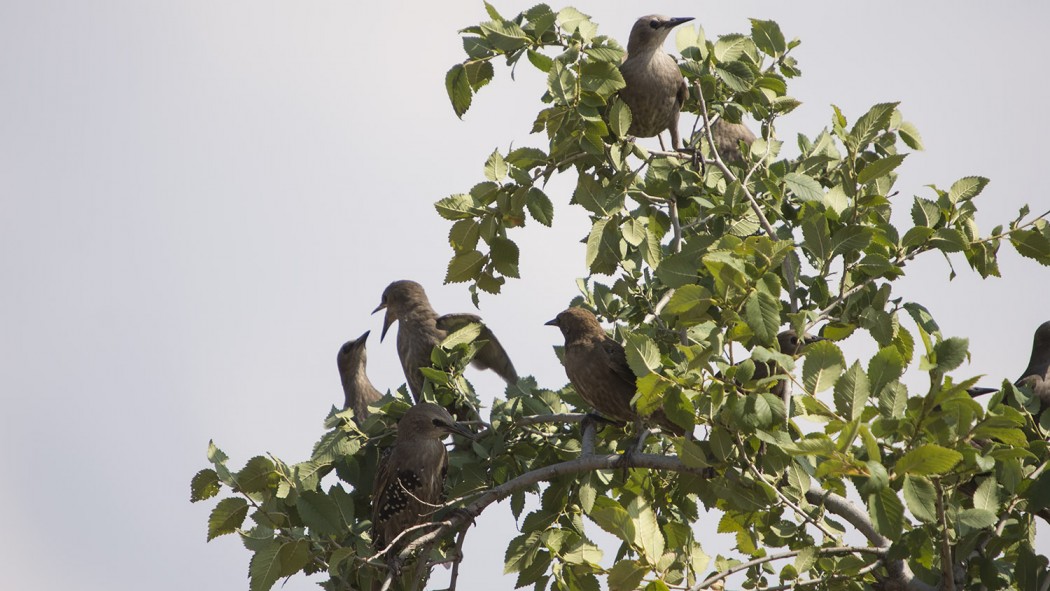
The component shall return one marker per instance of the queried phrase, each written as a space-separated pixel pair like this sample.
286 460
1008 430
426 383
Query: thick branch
856 517
947 566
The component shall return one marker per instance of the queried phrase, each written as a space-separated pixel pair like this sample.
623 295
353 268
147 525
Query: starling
357 388
410 479
727 138
655 89
597 367
1037 375
420 329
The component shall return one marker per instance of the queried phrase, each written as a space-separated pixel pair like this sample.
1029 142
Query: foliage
704 257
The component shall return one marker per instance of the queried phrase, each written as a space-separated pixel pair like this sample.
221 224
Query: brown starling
597 367
357 389
727 138
655 89
420 329
410 478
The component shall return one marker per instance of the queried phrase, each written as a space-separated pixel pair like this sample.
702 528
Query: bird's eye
794 340
437 423
654 24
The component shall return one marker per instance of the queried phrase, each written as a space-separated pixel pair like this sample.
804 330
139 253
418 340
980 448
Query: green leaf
601 78
226 517
910 134
951 353
851 392
736 75
613 518
642 353
572 21
458 87
1038 494
921 498
929 458
456 207
465 266
495 167
880 168
689 302
762 312
823 366
587 495
966 188
804 187
620 119
987 495
678 270
504 254
949 240
320 513
647 535
729 48
258 475
540 207
767 37
626 575
871 124
886 366
887 513
205 484
977 518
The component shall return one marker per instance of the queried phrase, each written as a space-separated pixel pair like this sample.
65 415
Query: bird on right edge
1037 375
655 88
597 368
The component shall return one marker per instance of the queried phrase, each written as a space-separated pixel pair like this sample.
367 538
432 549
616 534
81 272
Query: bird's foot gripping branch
715 255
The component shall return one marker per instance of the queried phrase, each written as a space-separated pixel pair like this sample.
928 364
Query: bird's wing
492 356
385 475
683 93
616 360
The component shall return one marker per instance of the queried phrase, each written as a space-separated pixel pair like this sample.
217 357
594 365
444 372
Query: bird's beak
551 322
379 307
388 319
459 429
674 22
809 340
361 339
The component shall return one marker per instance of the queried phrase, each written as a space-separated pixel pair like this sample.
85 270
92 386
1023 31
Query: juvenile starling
655 88
420 329
357 389
597 367
410 478
727 138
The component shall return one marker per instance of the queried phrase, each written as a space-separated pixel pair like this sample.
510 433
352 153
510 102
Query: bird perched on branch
420 329
357 388
1037 375
410 479
727 138
655 88
597 367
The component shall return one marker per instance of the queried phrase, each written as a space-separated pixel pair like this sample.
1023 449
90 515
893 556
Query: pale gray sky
200 201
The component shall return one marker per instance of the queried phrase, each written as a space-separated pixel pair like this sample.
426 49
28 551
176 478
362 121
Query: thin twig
790 554
783 498
459 559
947 567
542 419
834 577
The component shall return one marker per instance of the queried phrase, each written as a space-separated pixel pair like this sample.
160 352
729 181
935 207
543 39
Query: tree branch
542 419
947 565
898 569
790 554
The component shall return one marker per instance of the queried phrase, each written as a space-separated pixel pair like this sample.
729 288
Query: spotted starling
789 344
597 367
410 478
1037 375
655 88
357 389
420 329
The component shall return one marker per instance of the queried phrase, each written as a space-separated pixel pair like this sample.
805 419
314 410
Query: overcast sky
201 200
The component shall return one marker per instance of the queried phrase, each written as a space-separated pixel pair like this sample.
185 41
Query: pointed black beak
363 338
459 429
674 22
809 340
551 322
